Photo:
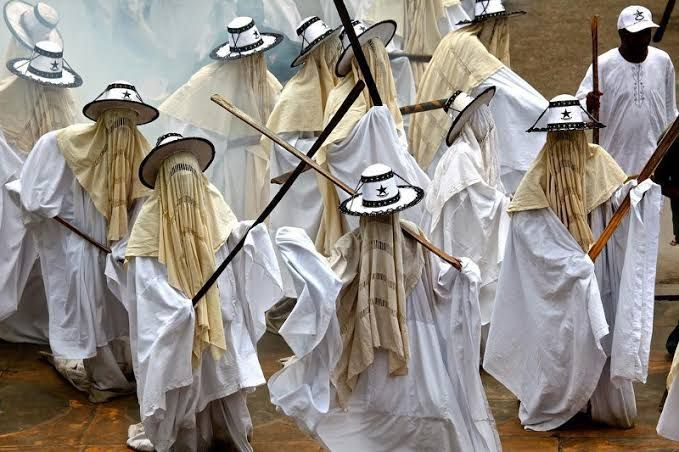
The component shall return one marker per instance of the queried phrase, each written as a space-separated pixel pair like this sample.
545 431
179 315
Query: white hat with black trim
565 113
384 31
46 66
123 95
30 24
169 145
313 32
381 195
461 106
490 9
244 40
636 18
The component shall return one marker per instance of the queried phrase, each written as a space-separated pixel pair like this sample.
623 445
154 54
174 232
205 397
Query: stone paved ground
551 49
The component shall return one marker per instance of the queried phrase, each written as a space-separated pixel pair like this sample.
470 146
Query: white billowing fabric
177 402
515 108
567 357
283 16
439 405
638 104
83 313
23 309
668 425
466 208
375 139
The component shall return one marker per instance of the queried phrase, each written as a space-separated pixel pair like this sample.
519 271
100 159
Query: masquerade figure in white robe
241 168
466 204
567 333
386 336
639 92
461 62
668 425
85 174
367 134
194 366
29 108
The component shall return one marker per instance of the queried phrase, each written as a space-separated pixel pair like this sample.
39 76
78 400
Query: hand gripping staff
353 95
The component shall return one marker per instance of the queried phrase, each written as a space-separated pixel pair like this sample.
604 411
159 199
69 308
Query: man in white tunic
367 133
29 108
85 174
668 425
385 335
241 168
194 366
566 332
466 204
638 85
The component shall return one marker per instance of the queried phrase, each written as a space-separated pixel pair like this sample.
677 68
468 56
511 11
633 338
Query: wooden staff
81 234
411 57
358 52
663 148
407 110
595 72
310 162
353 95
665 21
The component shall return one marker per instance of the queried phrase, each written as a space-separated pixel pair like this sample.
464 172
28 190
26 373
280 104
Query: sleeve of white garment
302 389
585 87
671 91
44 181
634 308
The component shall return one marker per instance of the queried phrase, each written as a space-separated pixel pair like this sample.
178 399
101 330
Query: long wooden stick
358 52
81 234
334 121
407 110
595 71
410 56
663 148
667 15
219 100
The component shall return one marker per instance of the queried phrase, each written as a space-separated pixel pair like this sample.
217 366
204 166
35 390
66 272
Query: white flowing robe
83 313
375 139
466 216
184 408
668 425
23 308
559 337
439 405
638 104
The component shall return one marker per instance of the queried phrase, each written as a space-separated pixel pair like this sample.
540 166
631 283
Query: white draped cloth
466 205
183 408
638 104
439 405
589 331
23 309
668 425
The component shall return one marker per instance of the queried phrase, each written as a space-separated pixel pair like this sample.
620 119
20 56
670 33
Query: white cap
635 18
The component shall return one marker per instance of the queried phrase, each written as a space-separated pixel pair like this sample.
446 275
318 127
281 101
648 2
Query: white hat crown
635 18
168 138
488 7
379 186
47 60
39 21
121 90
457 103
311 30
359 28
244 35
565 109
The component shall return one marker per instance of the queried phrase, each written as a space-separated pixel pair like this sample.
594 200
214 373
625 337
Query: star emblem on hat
639 16
566 115
256 34
55 66
382 191
127 94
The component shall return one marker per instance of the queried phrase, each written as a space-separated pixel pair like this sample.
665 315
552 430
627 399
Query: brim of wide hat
13 11
223 52
568 127
410 196
68 79
485 17
465 115
384 31
202 149
320 40
145 113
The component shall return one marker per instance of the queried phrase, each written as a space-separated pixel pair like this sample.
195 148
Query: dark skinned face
636 42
